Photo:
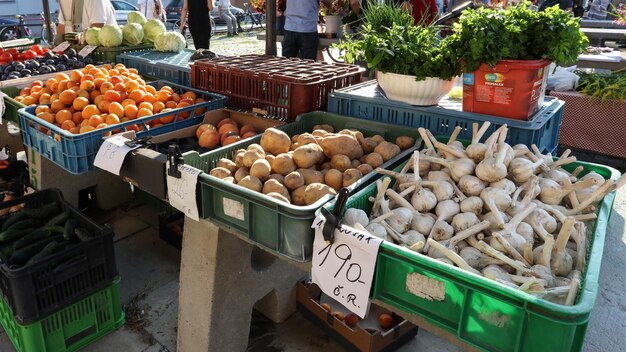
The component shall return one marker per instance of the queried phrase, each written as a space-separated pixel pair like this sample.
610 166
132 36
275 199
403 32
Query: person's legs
308 45
229 22
201 36
290 44
233 20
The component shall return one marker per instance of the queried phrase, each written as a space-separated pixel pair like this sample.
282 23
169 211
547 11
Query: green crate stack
71 328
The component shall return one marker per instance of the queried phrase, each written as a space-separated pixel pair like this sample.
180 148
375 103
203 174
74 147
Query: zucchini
23 255
59 219
42 213
56 229
12 219
49 249
13 234
68 231
83 234
6 252
32 237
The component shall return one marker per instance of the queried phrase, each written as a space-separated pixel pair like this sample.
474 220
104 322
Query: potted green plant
412 63
334 15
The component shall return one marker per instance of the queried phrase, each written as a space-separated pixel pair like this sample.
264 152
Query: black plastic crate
36 290
168 228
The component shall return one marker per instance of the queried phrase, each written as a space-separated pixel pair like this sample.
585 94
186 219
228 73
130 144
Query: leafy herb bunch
611 86
489 35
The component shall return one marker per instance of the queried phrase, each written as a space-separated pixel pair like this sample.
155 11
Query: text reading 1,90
344 269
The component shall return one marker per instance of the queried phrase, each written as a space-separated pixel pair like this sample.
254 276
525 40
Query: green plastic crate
282 228
109 55
70 328
481 312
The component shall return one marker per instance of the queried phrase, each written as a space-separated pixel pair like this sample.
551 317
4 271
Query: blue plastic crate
172 67
77 152
367 101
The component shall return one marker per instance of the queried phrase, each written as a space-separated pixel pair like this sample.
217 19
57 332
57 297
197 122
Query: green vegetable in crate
152 29
50 248
42 213
91 36
59 219
32 237
23 255
136 17
133 34
17 230
110 36
170 41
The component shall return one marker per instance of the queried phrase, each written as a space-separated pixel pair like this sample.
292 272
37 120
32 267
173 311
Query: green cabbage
136 17
110 36
170 41
152 29
133 34
91 36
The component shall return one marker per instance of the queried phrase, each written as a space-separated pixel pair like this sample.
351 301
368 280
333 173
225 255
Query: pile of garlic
504 212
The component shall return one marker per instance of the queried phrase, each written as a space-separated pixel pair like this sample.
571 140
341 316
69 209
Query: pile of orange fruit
98 97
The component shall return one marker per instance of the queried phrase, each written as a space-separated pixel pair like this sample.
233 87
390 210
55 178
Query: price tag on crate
344 269
112 153
181 192
87 50
61 47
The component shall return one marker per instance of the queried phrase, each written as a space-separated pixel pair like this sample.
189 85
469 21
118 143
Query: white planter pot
334 25
406 89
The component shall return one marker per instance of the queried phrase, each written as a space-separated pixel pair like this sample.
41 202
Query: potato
378 138
261 169
278 177
308 155
220 172
228 164
294 146
326 127
325 165
368 145
294 138
252 155
324 172
374 160
241 173
283 164
342 144
355 163
354 133
350 176
255 146
278 196
334 178
316 191
319 133
229 180
273 186
270 158
252 183
340 162
275 141
297 196
306 138
387 150
294 180
365 169
405 142
311 176
239 158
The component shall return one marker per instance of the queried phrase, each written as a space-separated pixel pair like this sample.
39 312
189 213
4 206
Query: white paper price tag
181 192
87 50
61 47
344 270
112 153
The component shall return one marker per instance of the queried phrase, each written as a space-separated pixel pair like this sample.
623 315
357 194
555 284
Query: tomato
37 49
6 56
14 53
29 54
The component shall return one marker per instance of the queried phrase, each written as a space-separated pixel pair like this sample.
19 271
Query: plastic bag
563 79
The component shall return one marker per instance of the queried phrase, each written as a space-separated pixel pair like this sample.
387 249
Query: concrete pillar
221 279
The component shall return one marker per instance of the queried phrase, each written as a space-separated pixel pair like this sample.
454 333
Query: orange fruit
83 93
77 117
167 89
202 128
98 82
116 108
171 104
87 77
163 96
80 103
75 130
103 106
25 91
68 125
105 66
54 97
149 98
51 81
36 84
61 76
131 85
105 87
133 70
95 120
46 116
86 128
158 106
146 105
56 106
41 108
88 86
130 111
62 85
120 87
94 94
112 119
190 95
136 95
168 118
28 100
67 96
63 115
128 102
76 76
176 97
144 112
115 79
19 98
98 99
112 96
151 89
185 114
113 72
89 111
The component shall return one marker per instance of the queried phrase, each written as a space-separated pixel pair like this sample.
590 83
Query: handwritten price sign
344 269
181 192
112 153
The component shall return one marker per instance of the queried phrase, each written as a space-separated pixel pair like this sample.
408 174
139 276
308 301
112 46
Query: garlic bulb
355 216
462 221
472 205
377 230
423 200
504 184
400 220
422 223
471 185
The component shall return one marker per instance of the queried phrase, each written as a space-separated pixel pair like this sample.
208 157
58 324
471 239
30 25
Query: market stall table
603 34
613 61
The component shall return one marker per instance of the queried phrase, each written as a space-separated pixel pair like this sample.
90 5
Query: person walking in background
152 9
300 39
197 13
223 7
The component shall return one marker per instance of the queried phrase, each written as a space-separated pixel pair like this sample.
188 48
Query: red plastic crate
283 87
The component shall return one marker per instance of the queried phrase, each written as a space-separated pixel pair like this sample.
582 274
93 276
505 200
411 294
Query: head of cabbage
110 36
91 36
152 29
133 34
170 41
136 17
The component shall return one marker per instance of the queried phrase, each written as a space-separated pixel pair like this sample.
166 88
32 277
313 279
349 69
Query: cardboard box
365 336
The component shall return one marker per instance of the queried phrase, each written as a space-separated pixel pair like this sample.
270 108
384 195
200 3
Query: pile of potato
304 168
